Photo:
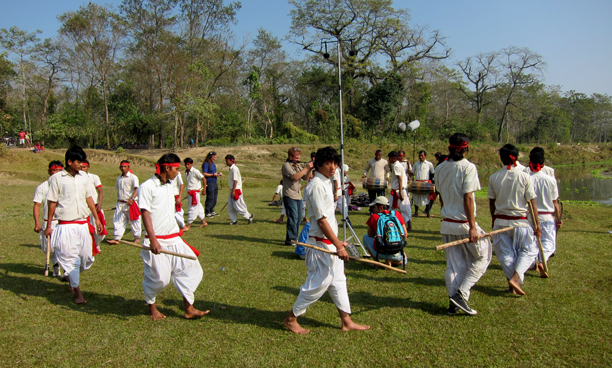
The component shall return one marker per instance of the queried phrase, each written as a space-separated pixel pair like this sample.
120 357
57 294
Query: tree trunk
106 111
176 118
23 92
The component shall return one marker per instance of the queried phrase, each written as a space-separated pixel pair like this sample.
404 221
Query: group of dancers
73 221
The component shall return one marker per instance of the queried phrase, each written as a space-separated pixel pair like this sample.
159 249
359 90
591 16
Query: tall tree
20 43
98 33
482 72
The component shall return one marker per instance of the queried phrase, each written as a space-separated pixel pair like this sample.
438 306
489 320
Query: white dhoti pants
195 211
97 237
160 269
403 206
549 239
283 212
121 218
516 250
180 218
420 199
43 241
237 207
465 263
325 273
73 249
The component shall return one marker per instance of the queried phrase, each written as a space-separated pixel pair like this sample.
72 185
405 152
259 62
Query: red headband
459 147
535 167
513 162
157 167
56 167
85 164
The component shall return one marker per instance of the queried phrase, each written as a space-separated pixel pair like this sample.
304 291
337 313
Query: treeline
160 73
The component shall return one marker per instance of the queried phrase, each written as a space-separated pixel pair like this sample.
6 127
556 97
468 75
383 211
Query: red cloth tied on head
513 162
134 211
535 167
54 167
458 148
194 198
157 167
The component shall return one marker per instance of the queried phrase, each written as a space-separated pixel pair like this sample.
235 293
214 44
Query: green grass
562 321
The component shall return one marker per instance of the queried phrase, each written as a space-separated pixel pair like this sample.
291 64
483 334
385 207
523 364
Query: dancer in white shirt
235 201
126 208
325 271
423 170
195 182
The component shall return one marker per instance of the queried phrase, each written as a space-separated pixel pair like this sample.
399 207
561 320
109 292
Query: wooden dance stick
350 257
162 251
109 209
539 239
467 240
48 255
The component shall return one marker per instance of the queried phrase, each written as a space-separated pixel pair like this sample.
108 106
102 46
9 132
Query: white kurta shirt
337 189
398 171
453 180
158 199
194 179
40 196
176 184
546 190
70 193
545 169
125 186
320 203
95 181
511 190
422 170
234 175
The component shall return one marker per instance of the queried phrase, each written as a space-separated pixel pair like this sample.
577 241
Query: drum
421 187
374 184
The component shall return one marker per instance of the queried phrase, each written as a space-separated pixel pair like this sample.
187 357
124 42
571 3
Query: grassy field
562 321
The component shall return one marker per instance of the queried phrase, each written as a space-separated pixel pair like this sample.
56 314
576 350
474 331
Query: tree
521 67
98 33
21 43
481 71
382 100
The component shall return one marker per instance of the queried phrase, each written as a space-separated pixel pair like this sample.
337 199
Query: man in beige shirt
293 174
379 169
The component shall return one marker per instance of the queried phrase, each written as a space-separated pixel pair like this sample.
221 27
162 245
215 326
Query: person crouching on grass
157 205
71 201
235 201
325 271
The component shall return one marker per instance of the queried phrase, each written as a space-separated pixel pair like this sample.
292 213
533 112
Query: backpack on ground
389 237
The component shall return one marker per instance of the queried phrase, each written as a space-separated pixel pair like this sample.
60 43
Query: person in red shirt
381 205
22 138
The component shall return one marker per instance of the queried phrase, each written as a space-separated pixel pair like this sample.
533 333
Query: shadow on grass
57 293
243 238
30 245
369 302
245 315
424 261
289 254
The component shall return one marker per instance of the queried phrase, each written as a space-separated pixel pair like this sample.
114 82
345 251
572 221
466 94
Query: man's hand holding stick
467 240
350 257
160 251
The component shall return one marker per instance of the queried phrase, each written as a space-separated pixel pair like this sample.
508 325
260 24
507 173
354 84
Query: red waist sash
322 240
237 194
504 217
545 213
194 198
178 206
395 195
134 211
455 221
180 233
92 231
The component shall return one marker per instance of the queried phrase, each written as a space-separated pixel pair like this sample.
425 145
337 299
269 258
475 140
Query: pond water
576 183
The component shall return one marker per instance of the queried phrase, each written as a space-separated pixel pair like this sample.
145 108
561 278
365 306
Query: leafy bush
120 149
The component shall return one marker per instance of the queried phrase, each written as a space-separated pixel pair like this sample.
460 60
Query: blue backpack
389 237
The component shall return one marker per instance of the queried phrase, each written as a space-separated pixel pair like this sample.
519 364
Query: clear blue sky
574 37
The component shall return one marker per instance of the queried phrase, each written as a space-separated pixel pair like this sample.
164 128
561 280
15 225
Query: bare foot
78 296
353 326
154 313
293 326
112 241
510 290
187 227
516 287
70 288
278 221
203 224
137 240
543 273
192 313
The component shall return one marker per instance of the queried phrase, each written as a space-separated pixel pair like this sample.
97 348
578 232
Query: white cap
380 200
